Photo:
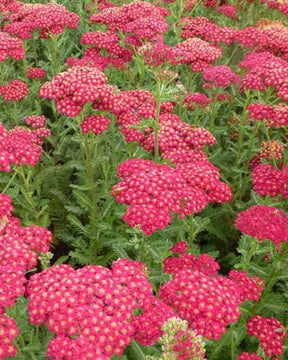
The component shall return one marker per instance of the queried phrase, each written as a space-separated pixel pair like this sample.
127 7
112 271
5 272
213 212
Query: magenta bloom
264 222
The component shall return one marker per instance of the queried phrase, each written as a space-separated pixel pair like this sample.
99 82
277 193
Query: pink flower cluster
8 331
20 146
208 303
146 325
14 90
36 73
76 87
197 53
205 29
19 249
95 309
270 333
8 6
268 181
278 4
246 356
180 247
156 53
220 75
10 47
204 263
138 22
178 141
273 116
35 121
271 150
154 191
110 42
50 18
196 99
264 69
228 10
142 20
205 176
250 287
264 222
273 38
97 124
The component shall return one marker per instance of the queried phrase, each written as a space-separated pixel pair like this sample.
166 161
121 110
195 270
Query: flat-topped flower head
20 146
74 88
15 90
155 191
51 18
208 303
270 332
264 222
10 47
97 124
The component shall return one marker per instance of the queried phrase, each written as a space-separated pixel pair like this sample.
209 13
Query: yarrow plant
143 146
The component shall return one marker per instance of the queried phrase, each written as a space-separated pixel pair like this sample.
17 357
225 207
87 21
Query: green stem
232 343
160 90
251 253
27 193
142 248
54 54
34 47
90 181
191 232
251 144
10 181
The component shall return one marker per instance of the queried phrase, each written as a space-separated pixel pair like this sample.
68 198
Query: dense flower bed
143 180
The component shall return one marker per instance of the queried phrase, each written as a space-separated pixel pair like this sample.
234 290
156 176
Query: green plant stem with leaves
160 89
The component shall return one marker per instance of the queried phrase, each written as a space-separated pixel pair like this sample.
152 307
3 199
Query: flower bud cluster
179 342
